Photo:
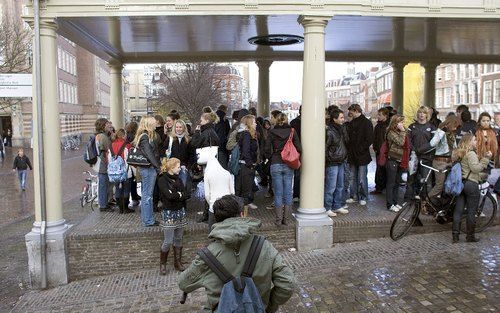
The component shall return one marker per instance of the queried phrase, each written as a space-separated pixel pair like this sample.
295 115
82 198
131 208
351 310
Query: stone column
116 96
397 86
56 227
263 98
314 227
430 85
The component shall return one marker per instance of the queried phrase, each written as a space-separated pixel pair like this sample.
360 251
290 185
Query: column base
57 269
314 230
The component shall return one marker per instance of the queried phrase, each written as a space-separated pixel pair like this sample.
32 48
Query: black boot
455 237
163 262
126 209
119 202
471 234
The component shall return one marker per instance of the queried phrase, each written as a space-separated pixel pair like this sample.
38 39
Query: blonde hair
148 125
247 120
185 133
211 117
168 164
395 120
281 119
464 146
425 110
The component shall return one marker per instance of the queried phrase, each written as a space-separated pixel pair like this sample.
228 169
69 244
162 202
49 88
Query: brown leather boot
163 262
286 214
178 259
278 210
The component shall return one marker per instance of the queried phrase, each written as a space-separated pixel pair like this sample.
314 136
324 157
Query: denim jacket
441 144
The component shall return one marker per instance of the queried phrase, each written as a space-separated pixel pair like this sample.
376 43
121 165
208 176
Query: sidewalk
421 273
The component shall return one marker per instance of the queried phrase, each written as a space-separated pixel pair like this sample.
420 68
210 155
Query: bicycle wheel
84 196
485 214
94 204
404 219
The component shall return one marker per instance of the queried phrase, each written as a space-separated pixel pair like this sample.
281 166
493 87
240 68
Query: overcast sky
285 78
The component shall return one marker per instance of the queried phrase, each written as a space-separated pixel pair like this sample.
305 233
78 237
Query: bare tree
190 87
15 51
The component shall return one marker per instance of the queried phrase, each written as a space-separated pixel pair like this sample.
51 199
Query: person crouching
173 197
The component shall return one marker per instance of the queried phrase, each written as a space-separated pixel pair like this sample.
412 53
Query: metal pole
41 165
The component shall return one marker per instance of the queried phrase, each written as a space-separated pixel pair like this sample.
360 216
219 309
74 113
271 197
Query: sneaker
344 207
399 207
331 213
342 211
417 197
350 200
394 208
270 207
362 202
252 206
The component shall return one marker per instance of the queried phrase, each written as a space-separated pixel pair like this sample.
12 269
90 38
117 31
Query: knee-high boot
286 214
178 259
163 262
278 210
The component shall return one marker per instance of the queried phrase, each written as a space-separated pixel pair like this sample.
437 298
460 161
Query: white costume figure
217 182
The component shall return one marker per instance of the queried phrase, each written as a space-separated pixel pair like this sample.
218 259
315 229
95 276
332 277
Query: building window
439 74
457 94
439 98
447 98
447 72
466 71
457 71
497 91
465 93
487 93
474 95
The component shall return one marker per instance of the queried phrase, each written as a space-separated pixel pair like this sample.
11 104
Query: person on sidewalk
396 137
122 189
131 130
103 143
472 168
232 235
360 132
378 139
336 154
282 174
173 195
296 124
21 165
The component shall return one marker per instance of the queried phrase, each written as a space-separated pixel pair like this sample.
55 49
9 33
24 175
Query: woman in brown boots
173 196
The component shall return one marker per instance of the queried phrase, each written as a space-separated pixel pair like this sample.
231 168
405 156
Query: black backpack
239 294
91 153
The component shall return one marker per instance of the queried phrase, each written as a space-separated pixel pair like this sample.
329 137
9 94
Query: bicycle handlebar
434 169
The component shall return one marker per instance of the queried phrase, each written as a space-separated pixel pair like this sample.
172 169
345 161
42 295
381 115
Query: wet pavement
420 273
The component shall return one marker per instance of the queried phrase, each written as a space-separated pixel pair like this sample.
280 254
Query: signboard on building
16 85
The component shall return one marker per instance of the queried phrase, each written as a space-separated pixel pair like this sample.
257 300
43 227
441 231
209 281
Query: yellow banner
413 91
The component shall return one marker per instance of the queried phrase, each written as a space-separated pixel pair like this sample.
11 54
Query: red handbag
383 153
289 154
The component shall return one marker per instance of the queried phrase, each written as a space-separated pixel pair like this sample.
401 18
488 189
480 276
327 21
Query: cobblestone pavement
420 273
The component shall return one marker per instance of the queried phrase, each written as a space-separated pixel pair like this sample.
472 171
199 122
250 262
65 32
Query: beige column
116 96
397 86
314 227
263 98
430 85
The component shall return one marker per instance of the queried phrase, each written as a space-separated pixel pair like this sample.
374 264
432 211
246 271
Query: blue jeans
334 187
102 190
347 183
147 186
282 184
359 182
22 178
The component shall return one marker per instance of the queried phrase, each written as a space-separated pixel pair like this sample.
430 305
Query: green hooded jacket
274 280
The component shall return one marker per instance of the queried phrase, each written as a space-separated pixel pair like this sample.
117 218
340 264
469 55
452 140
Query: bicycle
89 191
408 216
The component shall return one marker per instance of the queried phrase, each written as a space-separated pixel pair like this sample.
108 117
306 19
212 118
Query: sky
285 78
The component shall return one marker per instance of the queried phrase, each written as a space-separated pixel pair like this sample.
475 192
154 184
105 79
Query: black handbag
136 158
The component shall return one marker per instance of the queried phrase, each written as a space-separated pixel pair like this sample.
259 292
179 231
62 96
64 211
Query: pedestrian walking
472 168
145 140
173 196
396 138
21 165
282 174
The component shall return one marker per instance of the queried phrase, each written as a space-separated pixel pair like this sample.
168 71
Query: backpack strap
253 255
122 148
215 265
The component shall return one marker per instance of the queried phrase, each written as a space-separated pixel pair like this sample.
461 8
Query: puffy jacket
472 167
248 147
336 151
205 137
420 135
277 139
360 132
150 150
440 142
395 144
172 192
379 135
273 278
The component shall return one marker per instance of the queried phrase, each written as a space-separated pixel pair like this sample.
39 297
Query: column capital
398 65
116 67
263 64
46 23
314 20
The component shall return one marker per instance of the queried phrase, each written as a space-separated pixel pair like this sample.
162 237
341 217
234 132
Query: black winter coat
420 135
150 150
296 124
172 192
468 127
161 135
248 148
205 137
181 150
22 163
277 139
222 129
379 135
336 151
360 132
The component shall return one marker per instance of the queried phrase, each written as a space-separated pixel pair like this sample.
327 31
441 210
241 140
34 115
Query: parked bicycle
442 209
71 142
89 191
